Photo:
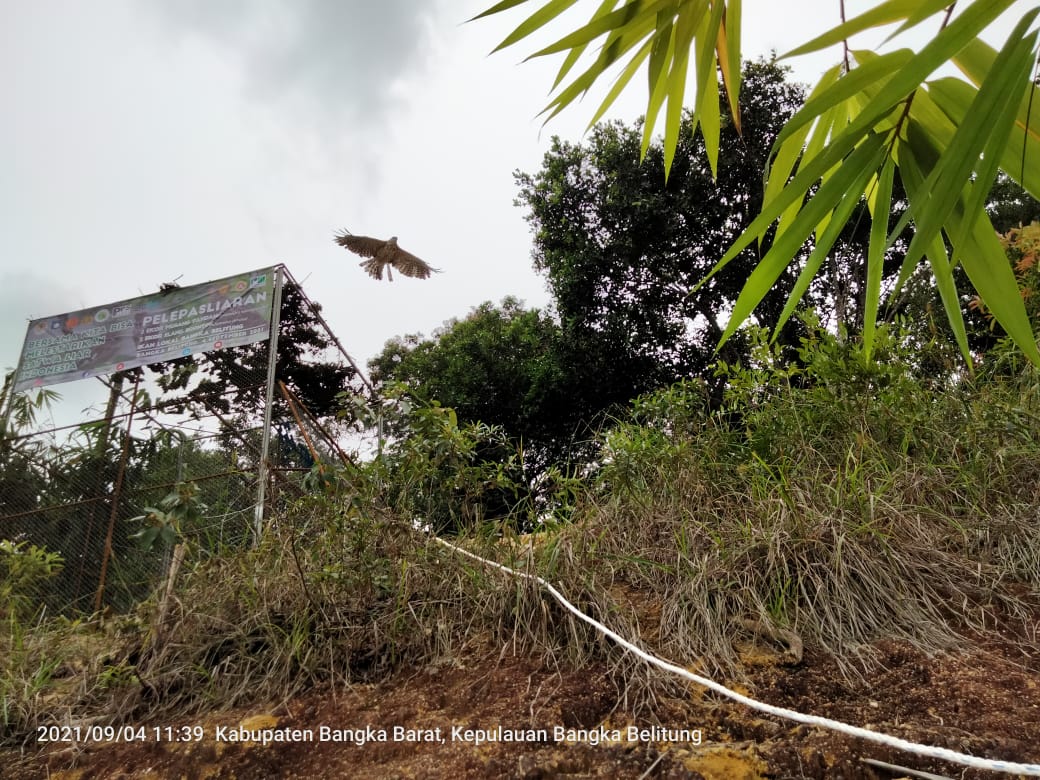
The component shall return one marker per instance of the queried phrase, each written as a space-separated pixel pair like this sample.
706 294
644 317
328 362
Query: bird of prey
385 254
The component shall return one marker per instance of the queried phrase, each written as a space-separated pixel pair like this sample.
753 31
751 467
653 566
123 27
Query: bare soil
985 702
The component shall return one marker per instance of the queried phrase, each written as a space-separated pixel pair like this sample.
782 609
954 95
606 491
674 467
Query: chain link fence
177 456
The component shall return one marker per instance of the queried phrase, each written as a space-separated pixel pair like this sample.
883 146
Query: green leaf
706 38
629 15
622 80
1008 76
534 22
950 40
1021 157
873 71
943 273
658 88
611 52
982 255
989 269
786 153
850 198
729 57
806 177
880 208
147 536
575 54
690 18
835 117
505 5
984 126
711 125
863 160
878 16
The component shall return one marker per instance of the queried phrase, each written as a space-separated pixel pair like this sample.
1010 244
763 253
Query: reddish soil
986 703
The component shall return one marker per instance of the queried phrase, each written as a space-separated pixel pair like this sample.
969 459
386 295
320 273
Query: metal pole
272 360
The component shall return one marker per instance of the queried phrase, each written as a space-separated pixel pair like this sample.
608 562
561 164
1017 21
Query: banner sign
151 329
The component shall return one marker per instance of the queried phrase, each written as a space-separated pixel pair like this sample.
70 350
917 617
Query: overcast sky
151 140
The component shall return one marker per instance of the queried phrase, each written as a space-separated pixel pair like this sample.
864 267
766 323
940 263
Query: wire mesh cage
91 514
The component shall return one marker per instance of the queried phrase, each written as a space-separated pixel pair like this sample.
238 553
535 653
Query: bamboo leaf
796 190
880 103
706 72
534 22
835 223
610 53
878 16
943 273
914 180
945 184
505 5
989 269
880 208
621 82
629 15
684 36
575 54
940 49
658 89
863 160
983 257
874 70
729 58
789 152
1007 76
786 153
1021 157
711 125
926 11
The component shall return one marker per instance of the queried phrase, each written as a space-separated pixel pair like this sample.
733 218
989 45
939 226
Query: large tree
622 246
500 365
872 122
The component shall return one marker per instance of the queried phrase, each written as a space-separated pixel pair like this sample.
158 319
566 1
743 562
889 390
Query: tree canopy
501 365
621 247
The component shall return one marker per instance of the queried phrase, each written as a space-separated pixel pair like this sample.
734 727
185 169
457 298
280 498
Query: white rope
944 754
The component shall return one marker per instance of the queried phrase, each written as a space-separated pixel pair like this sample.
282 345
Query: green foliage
838 499
21 408
501 365
23 476
23 569
449 476
621 248
872 119
180 508
840 496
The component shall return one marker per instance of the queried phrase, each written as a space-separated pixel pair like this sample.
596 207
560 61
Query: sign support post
272 361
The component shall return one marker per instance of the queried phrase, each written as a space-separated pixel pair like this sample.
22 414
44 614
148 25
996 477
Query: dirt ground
986 703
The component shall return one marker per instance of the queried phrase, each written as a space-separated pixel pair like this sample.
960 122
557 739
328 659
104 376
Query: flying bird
385 254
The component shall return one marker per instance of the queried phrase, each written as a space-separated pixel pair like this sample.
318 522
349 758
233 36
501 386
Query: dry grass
842 513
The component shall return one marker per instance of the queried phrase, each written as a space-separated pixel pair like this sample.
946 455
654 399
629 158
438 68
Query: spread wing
360 245
410 265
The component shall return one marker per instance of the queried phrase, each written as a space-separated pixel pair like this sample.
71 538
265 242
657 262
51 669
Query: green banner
151 329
